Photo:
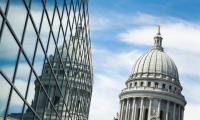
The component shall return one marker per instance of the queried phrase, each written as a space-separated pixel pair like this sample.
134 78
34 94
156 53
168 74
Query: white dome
155 64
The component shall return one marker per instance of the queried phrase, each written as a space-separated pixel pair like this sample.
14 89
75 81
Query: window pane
22 75
30 40
3 4
4 86
8 53
16 105
20 13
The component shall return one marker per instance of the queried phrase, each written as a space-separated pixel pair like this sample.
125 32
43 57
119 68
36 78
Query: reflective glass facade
45 60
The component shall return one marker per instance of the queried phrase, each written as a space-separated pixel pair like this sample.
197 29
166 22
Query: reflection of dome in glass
72 50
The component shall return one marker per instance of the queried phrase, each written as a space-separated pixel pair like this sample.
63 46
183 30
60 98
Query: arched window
135 83
163 86
170 87
130 84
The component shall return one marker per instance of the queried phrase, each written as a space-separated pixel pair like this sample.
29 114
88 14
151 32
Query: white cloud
114 61
99 23
148 19
186 61
190 90
176 33
105 96
192 112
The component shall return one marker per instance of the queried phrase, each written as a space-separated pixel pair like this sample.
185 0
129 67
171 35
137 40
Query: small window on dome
130 85
149 84
170 87
156 85
135 83
141 84
163 86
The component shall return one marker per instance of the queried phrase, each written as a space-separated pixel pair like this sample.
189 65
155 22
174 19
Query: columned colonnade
144 108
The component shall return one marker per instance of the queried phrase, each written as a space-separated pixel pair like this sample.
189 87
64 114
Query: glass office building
45 60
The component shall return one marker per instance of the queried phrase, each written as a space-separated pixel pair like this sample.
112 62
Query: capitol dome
156 64
153 90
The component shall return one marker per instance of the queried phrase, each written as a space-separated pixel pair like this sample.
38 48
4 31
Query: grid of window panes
45 60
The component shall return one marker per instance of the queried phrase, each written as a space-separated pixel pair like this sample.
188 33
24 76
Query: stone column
122 109
179 112
182 115
167 111
133 109
174 112
159 108
149 113
127 109
141 109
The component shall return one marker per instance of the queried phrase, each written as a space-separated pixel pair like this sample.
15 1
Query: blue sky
122 31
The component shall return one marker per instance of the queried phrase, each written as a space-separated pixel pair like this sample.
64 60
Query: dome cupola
155 64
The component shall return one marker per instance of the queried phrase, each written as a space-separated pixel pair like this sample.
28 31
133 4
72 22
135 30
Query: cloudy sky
123 30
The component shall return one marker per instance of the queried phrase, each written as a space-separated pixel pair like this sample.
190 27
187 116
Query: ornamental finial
158 30
158 40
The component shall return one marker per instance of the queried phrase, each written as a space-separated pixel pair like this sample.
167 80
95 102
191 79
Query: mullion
69 46
71 83
89 44
61 27
80 57
74 14
20 95
15 37
16 65
84 63
61 61
41 44
54 57
47 63
33 60
58 37
51 31
76 61
72 23
77 48
52 61
3 22
66 48
84 60
89 52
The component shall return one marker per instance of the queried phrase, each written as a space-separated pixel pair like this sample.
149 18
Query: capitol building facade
153 90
